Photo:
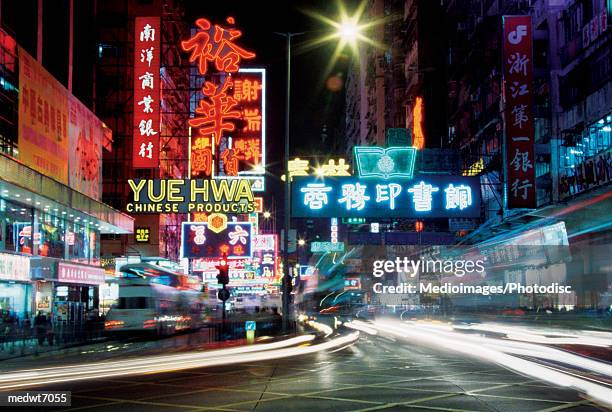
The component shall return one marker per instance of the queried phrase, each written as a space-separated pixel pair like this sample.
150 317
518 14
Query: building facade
52 216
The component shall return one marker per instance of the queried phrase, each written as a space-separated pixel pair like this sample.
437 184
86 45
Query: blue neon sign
392 162
422 196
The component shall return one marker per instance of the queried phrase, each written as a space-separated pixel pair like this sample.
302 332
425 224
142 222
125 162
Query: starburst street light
348 30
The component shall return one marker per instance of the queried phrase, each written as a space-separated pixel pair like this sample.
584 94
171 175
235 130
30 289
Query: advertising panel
86 137
147 87
518 85
88 275
43 120
14 267
198 241
422 196
190 196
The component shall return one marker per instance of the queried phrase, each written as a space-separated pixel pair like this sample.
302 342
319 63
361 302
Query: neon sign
322 247
418 140
396 162
147 52
230 120
333 167
422 196
191 195
199 241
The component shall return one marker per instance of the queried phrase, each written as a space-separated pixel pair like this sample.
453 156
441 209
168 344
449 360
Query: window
137 302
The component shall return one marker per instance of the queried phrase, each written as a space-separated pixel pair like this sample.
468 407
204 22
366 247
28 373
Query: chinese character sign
147 94
245 152
423 196
518 84
198 241
43 120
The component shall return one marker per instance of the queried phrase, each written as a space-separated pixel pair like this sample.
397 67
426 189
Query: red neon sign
216 44
518 115
146 92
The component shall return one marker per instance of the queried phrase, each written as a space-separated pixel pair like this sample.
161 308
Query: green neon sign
392 162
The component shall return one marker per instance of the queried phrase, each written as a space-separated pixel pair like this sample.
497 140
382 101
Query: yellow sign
142 234
333 167
217 222
191 195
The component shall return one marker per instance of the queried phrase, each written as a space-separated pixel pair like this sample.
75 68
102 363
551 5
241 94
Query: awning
19 183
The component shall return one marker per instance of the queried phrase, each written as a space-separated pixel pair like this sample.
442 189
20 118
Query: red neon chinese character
238 250
215 44
230 162
201 161
247 90
253 120
215 112
248 149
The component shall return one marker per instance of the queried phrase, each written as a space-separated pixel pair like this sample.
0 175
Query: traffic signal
223 268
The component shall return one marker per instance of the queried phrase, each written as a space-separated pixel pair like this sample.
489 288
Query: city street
325 205
376 373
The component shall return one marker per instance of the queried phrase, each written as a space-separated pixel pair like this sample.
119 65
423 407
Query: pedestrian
40 323
50 332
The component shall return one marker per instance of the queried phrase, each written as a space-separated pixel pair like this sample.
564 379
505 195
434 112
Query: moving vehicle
155 300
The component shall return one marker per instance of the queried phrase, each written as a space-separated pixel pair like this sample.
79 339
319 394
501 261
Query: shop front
15 286
76 293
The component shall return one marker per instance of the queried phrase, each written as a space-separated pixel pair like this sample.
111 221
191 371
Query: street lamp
266 215
301 242
348 31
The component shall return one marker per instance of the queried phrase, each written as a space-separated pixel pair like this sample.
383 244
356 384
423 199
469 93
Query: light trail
502 352
167 363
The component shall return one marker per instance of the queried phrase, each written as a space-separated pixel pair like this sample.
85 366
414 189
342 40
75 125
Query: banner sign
43 120
147 54
191 195
14 267
198 241
89 275
518 85
424 196
265 253
87 135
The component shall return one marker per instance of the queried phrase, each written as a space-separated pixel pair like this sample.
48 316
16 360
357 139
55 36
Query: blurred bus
155 300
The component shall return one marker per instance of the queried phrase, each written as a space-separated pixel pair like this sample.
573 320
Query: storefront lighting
5 191
38 203
28 200
55 210
63 213
17 195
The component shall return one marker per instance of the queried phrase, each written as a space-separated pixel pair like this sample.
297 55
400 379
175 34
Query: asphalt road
374 374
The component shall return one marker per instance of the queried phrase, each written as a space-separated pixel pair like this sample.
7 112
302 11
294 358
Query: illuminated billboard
198 241
190 195
423 196
147 87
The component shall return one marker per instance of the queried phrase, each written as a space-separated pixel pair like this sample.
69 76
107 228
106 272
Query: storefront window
596 139
16 227
51 230
83 244
14 299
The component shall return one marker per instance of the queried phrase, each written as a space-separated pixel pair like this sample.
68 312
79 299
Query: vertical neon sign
146 92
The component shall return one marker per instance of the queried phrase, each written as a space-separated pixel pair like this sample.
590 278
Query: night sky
312 104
